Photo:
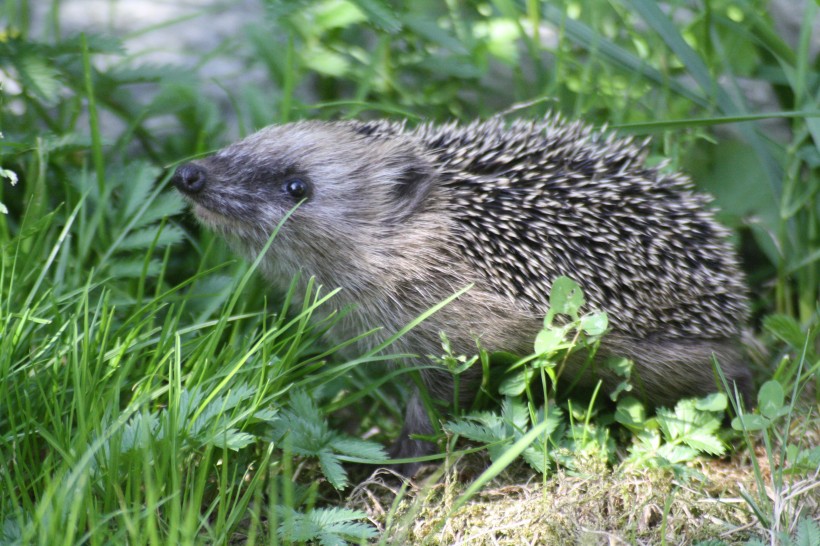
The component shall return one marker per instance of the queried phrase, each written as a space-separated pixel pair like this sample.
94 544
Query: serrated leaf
302 405
805 460
536 459
39 78
514 412
353 532
473 431
165 205
332 516
11 532
332 469
705 442
648 440
137 180
356 447
676 453
137 430
687 422
296 526
231 439
808 533
265 414
330 526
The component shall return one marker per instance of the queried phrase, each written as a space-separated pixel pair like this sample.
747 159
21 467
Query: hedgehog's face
344 190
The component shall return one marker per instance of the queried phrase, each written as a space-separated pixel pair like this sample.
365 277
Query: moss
593 506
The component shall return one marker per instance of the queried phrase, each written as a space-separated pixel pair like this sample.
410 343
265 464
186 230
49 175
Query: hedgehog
402 217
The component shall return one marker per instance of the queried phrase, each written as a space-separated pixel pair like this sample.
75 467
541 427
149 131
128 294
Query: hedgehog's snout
190 178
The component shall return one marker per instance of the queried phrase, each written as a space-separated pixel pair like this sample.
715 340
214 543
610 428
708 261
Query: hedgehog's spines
533 200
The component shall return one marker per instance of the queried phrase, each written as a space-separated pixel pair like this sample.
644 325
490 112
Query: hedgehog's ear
411 186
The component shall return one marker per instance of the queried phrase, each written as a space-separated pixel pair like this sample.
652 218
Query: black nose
189 178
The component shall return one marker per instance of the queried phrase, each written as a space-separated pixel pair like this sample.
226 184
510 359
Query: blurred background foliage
679 71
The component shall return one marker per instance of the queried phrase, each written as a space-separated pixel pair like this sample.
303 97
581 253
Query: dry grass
594 505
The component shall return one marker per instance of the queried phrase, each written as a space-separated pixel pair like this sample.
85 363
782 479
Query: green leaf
676 453
714 402
594 324
232 439
705 442
566 297
332 469
549 340
336 526
691 426
503 462
474 431
39 78
306 432
514 412
631 413
808 532
356 447
622 366
770 399
536 459
136 180
750 422
802 460
165 205
516 383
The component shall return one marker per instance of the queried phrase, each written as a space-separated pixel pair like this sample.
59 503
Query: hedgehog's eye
296 188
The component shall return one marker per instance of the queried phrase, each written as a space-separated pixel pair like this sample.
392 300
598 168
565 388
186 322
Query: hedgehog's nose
189 178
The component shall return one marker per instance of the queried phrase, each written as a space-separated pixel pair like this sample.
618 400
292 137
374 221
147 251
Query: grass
153 392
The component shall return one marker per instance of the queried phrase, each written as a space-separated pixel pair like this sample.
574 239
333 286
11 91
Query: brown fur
394 217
